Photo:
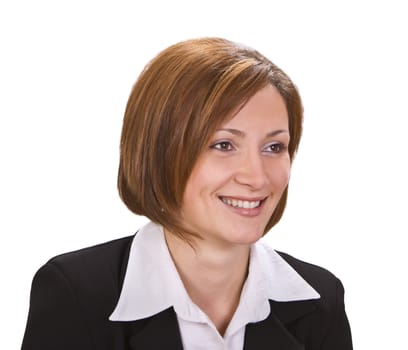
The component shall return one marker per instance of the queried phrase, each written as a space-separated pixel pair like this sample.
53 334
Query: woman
209 135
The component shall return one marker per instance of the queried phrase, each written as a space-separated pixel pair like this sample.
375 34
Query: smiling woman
209 134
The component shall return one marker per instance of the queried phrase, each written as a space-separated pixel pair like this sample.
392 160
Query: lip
239 198
246 212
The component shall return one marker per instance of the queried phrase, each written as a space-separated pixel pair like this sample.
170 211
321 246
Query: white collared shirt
152 284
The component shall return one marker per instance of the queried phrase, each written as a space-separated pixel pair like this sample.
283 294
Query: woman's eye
276 147
222 146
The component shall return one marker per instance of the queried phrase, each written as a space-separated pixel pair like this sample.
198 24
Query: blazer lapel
162 331
272 332
158 332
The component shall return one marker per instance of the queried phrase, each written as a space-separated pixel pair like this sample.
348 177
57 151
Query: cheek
208 174
202 180
280 175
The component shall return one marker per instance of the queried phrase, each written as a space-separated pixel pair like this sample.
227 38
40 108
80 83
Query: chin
247 237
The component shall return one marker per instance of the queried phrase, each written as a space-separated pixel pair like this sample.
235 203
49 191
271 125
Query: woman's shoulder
76 292
96 255
89 270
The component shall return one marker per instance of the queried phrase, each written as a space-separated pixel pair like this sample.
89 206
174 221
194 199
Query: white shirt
152 284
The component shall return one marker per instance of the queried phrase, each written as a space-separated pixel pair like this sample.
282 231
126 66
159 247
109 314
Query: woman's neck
212 274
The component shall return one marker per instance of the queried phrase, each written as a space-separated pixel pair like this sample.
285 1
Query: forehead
266 107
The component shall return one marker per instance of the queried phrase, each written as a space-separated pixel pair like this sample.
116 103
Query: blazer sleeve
55 320
338 336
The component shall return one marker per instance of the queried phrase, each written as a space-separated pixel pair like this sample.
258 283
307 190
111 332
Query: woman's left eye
276 147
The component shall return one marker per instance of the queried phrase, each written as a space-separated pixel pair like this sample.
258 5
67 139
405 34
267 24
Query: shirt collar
270 277
152 283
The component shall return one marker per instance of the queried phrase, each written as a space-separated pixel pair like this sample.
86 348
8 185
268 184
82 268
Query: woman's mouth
242 203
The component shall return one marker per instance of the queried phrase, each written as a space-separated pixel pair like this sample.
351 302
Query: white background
66 71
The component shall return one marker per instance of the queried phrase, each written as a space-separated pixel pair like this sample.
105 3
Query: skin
246 164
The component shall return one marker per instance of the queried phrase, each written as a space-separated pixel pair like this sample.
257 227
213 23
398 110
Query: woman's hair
181 97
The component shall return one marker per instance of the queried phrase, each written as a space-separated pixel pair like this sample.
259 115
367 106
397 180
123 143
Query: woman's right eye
224 146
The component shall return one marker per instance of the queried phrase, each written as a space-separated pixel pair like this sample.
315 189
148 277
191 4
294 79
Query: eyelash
226 146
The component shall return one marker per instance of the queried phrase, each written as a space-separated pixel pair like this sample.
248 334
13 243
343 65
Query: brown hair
177 103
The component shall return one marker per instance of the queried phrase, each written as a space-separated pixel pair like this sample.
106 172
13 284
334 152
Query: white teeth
241 204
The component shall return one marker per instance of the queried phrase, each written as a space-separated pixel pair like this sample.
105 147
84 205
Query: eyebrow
242 134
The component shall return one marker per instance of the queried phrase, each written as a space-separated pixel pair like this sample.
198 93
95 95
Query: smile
237 203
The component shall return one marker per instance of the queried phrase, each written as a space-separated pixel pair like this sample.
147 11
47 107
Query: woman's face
240 177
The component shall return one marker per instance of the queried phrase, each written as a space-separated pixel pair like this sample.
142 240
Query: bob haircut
181 97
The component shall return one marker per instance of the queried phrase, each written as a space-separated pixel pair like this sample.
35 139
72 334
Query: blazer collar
273 329
143 333
258 336
158 332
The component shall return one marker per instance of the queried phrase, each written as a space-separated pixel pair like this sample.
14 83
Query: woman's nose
252 171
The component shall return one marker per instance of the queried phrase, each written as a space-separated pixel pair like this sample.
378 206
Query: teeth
241 204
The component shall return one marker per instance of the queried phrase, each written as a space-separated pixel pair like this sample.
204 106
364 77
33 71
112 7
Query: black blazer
73 295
